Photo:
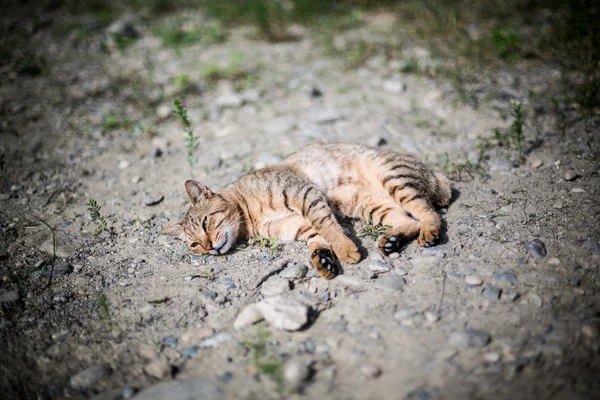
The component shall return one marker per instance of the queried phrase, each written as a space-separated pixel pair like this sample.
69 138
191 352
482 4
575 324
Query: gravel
536 248
392 284
282 313
469 338
87 378
183 390
504 279
491 292
473 280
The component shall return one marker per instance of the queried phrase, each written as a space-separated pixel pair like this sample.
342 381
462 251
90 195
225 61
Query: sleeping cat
298 199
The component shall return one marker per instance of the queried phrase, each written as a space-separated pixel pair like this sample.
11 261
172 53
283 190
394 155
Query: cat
300 197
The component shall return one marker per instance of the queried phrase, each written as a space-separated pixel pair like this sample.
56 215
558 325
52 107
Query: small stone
189 352
282 313
394 256
469 338
491 292
216 340
146 308
577 190
439 251
370 371
400 271
492 357
379 266
323 117
183 390
446 354
537 163
157 368
558 205
418 394
229 101
473 280
315 92
393 87
152 199
504 278
123 164
570 176
574 282
279 126
590 330
170 341
593 245
275 286
532 298
196 335
10 297
347 280
309 345
536 248
128 392
431 317
294 271
366 275
87 378
405 313
249 315
392 284
296 373
163 111
554 261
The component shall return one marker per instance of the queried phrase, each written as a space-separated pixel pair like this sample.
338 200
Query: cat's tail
443 190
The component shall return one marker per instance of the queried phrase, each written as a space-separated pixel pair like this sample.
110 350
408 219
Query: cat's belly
351 200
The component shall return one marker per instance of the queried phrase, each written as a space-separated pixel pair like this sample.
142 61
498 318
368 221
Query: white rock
275 286
473 280
279 126
537 163
216 340
370 371
554 261
347 280
281 313
431 317
325 116
124 164
492 357
163 111
532 298
577 190
393 87
146 308
229 101
249 315
295 373
158 368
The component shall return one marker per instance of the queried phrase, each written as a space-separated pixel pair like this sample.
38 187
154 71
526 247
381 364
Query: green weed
103 306
113 122
263 358
176 36
272 244
235 72
458 170
411 66
373 231
94 209
506 43
512 139
191 142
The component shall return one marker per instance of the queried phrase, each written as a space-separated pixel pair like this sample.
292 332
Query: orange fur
297 198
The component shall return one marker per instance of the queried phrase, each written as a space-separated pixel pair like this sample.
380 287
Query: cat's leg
312 204
382 210
412 185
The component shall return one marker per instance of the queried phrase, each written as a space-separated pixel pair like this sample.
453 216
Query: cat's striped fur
299 198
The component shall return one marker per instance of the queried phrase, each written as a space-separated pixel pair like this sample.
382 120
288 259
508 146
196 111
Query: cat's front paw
324 262
390 243
428 237
347 252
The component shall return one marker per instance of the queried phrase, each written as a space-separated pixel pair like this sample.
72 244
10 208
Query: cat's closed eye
194 244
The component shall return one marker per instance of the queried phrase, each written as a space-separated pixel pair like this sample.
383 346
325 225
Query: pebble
392 284
536 248
446 354
537 163
87 378
491 292
128 392
170 341
347 280
296 373
400 272
570 176
366 275
418 394
439 251
431 317
393 87
146 308
469 338
473 280
574 282
558 205
370 371
183 390
123 164
11 296
286 314
189 352
157 368
294 271
554 261
229 101
279 126
404 314
590 330
394 256
249 315
216 340
379 266
152 199
504 278
275 286
226 283
593 245
492 357
326 116
164 110
309 345
577 190
532 298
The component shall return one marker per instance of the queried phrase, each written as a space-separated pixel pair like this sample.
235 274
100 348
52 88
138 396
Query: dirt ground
486 314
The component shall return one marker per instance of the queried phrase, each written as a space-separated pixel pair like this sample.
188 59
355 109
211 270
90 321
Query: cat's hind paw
324 262
428 237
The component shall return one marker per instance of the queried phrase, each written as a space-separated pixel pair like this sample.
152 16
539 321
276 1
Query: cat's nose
209 246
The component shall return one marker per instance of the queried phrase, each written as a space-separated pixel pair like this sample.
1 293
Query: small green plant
176 36
191 142
513 138
182 83
272 244
113 122
103 306
457 170
236 72
263 359
374 231
411 66
506 43
94 210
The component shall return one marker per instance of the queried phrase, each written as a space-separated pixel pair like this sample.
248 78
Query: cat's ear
197 191
174 230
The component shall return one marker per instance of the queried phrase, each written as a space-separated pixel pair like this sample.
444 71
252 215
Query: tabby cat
299 198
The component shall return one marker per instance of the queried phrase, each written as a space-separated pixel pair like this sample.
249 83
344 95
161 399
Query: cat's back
327 153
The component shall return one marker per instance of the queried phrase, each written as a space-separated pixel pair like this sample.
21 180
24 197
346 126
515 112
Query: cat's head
211 224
